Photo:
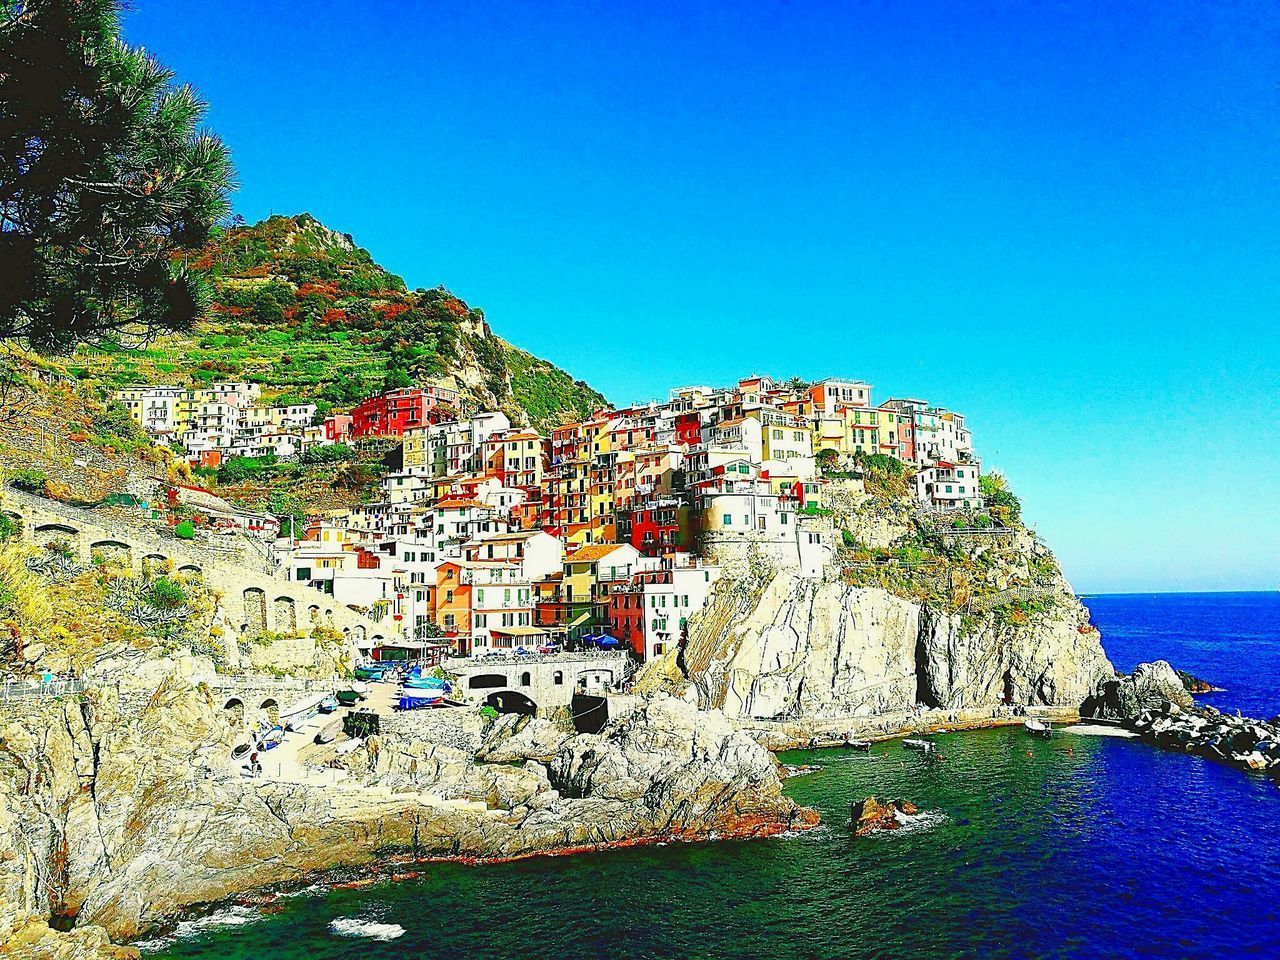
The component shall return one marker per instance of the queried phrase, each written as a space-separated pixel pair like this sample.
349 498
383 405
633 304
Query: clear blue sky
1059 218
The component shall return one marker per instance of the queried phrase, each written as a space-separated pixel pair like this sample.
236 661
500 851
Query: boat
426 683
1038 728
860 745
349 698
328 704
327 734
409 702
369 673
241 751
924 746
271 739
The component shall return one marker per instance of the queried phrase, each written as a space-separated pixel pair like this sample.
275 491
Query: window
557 678
726 520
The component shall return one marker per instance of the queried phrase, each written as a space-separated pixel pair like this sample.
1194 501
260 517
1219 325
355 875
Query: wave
912 823
351 927
233 916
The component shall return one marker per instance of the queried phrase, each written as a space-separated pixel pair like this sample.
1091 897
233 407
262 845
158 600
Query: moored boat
328 704
924 746
860 745
271 739
348 698
1038 728
241 751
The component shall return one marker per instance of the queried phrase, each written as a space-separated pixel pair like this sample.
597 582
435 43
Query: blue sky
1059 218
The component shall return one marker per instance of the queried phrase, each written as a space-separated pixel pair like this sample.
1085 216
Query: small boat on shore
241 751
329 704
349 698
327 735
271 739
924 746
1038 728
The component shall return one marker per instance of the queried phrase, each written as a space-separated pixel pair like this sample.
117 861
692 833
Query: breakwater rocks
1154 701
1241 741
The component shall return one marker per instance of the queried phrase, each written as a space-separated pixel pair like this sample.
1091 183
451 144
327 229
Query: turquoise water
1074 847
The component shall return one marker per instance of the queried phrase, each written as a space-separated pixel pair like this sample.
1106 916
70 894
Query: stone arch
235 706
511 701
486 681
56 529
191 570
50 535
284 615
313 614
255 611
155 563
270 709
526 679
358 635
103 551
558 677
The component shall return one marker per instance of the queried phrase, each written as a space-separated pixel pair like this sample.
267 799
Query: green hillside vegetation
302 310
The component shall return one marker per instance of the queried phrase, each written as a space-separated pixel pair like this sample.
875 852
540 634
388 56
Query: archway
284 619
106 551
191 570
271 710
487 681
235 706
255 612
154 564
511 701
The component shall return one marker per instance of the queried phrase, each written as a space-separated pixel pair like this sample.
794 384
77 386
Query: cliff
967 629
120 810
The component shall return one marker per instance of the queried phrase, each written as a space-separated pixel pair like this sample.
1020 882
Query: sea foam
352 927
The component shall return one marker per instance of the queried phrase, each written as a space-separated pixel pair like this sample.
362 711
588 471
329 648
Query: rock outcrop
792 647
120 811
871 816
1148 688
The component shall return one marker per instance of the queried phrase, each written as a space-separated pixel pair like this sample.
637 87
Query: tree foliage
106 180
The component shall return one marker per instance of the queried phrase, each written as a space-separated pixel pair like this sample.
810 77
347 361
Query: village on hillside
608 533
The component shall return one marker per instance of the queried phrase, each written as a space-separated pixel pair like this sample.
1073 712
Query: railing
14 690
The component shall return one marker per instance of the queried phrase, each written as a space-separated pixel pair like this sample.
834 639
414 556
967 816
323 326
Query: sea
1079 846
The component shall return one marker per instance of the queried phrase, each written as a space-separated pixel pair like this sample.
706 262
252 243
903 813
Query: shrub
167 594
186 530
32 481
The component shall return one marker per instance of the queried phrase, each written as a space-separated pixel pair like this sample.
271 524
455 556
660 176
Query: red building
337 427
626 616
653 527
689 429
390 414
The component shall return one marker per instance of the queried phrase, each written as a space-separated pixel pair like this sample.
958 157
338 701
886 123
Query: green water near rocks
1075 847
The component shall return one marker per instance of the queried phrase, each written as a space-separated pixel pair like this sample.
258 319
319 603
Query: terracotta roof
592 551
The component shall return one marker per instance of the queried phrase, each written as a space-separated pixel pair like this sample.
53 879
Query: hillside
302 310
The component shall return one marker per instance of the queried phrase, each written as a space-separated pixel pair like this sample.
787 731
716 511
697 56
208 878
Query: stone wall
461 728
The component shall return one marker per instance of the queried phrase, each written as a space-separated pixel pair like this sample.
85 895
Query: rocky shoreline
1155 702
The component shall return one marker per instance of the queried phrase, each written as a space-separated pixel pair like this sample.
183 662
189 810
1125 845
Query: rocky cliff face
793 647
119 811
